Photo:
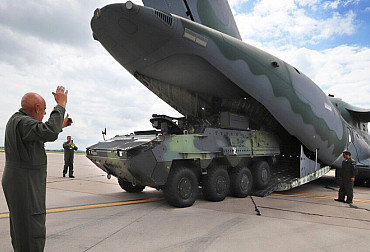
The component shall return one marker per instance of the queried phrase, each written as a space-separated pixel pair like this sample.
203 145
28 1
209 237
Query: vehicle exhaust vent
165 17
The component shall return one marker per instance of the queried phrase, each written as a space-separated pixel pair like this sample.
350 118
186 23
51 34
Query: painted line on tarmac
92 206
315 196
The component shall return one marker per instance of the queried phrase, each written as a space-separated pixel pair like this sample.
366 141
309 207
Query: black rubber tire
128 187
241 182
181 187
216 184
261 174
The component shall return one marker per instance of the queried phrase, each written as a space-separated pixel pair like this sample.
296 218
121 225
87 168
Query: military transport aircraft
190 54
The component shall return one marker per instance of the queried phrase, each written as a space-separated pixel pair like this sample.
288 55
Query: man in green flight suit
24 177
69 151
346 176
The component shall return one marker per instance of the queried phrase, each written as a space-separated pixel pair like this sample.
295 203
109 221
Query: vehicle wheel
261 174
215 184
181 187
128 187
241 182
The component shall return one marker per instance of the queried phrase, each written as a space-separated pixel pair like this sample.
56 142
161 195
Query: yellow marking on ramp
84 207
314 196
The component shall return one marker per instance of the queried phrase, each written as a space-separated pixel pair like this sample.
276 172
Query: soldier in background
346 177
69 148
24 177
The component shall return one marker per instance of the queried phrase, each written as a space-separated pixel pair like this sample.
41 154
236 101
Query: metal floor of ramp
284 178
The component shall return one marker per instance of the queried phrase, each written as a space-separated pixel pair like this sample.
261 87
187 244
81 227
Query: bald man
24 177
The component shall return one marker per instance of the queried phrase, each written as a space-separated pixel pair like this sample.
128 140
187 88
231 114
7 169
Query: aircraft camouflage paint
190 54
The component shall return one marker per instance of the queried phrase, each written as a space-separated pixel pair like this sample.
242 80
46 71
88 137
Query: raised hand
60 96
67 121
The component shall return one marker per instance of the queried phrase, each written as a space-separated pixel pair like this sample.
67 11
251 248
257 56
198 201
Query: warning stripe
92 206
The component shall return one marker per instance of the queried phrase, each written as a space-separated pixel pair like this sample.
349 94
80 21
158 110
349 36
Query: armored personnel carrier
184 154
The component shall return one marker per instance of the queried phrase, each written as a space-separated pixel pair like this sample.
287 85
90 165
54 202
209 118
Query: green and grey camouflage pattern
190 54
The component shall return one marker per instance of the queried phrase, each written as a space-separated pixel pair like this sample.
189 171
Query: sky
46 43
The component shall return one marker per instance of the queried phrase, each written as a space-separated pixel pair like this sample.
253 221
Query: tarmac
92 213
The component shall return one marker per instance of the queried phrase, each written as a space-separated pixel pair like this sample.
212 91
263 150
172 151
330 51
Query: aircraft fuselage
206 62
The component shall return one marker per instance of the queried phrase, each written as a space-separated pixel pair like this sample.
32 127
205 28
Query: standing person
24 177
69 148
346 177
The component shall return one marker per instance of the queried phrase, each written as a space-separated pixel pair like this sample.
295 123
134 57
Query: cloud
290 29
334 5
341 71
101 92
290 22
48 43
52 21
331 4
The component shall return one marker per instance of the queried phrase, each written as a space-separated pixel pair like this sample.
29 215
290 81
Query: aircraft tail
215 14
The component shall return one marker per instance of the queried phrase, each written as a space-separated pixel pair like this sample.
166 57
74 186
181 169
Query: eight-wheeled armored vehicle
183 154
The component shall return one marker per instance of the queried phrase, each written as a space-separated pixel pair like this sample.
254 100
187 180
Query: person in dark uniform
346 178
69 149
24 177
